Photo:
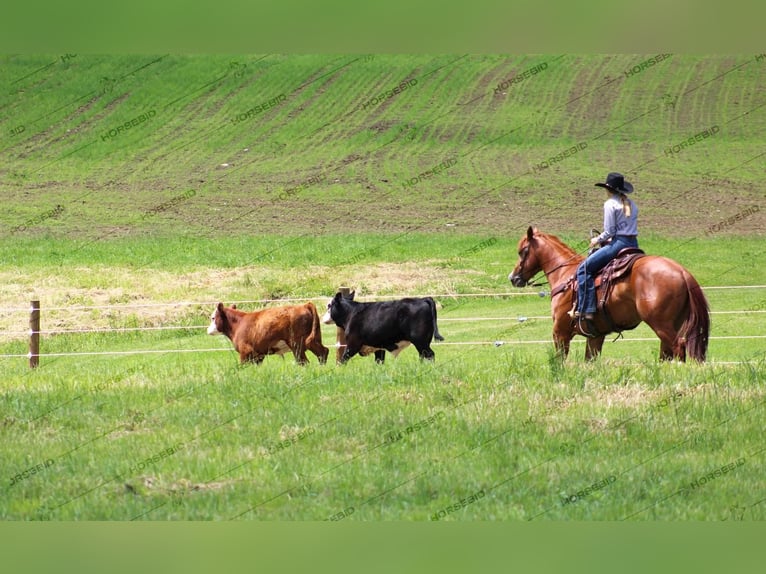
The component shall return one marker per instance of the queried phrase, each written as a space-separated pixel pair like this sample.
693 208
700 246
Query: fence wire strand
319 298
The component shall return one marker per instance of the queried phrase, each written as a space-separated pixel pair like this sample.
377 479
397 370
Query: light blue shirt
615 221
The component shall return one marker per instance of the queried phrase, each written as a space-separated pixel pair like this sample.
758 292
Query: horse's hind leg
670 347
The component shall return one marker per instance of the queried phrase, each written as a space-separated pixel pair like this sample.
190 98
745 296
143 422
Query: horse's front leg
562 336
593 348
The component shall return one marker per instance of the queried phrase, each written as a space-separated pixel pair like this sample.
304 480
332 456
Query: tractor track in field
498 138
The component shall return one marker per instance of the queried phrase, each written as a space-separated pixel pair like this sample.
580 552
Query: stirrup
590 332
584 316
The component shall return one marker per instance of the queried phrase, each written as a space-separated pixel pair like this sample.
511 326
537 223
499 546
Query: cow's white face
212 329
326 318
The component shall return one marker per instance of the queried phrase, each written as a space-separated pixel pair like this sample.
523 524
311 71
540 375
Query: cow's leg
299 352
247 354
323 353
300 355
319 350
593 348
348 353
302 359
380 356
424 350
353 346
251 357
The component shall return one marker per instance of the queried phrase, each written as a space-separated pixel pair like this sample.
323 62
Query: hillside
96 146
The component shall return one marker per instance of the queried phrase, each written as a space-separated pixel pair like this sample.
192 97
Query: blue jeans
586 296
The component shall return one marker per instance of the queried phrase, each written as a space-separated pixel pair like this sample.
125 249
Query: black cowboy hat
615 182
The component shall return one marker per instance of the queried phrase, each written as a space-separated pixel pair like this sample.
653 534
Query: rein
564 264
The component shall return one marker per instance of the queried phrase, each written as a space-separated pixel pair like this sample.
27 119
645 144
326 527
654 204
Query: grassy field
499 126
230 192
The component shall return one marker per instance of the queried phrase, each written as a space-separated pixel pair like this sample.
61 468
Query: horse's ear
530 233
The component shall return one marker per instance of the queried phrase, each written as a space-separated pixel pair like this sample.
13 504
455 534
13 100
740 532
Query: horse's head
528 265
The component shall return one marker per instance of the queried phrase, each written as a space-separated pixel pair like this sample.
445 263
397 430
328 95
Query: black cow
384 326
380 354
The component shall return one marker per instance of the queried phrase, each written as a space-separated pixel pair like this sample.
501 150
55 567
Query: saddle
604 281
616 269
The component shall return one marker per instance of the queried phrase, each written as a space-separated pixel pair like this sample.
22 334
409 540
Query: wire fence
191 327
318 298
498 343
758 309
265 301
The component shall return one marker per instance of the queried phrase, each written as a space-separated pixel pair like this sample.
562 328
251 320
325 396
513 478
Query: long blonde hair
626 209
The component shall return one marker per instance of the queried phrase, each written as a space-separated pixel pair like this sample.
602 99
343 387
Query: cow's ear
220 307
338 296
233 305
530 233
351 295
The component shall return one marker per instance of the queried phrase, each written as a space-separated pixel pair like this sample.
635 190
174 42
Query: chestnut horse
658 291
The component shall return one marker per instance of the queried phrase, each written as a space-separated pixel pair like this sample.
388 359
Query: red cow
272 331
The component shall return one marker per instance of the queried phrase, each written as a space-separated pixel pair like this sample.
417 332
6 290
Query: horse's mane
558 244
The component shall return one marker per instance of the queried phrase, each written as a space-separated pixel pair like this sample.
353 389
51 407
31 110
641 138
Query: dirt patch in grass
103 297
400 278
642 399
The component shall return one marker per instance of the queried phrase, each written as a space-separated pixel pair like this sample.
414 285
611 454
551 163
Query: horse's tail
696 328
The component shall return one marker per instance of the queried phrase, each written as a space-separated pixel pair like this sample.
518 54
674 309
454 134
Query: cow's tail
432 304
696 327
316 328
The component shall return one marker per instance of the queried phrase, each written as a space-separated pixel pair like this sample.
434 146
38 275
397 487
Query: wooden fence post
340 337
34 335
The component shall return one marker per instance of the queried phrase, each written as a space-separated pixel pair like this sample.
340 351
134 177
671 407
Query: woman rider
620 231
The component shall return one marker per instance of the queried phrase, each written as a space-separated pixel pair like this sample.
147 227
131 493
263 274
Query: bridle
525 253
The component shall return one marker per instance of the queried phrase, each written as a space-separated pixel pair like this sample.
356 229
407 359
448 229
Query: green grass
192 435
496 415
479 416
366 153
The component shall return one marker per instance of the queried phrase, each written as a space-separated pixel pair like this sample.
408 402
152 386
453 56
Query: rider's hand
594 241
